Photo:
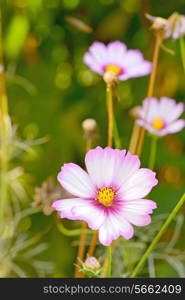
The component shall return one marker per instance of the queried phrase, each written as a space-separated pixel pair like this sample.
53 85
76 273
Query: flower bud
90 128
92 263
89 125
134 112
91 267
177 23
110 78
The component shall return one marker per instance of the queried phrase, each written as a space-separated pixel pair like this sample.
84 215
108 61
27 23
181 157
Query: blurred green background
51 92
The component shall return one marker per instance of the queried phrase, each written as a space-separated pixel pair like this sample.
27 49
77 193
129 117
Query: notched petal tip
56 205
153 205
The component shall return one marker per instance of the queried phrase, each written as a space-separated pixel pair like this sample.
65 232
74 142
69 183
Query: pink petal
103 165
133 57
76 181
90 213
138 185
65 206
99 52
135 63
139 220
141 69
136 212
169 109
150 109
96 57
140 206
166 105
124 76
93 64
174 127
114 226
126 168
116 52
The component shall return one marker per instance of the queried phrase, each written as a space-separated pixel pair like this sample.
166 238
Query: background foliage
51 92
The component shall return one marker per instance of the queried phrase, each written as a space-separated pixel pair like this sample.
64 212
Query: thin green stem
153 150
150 92
110 114
113 133
158 236
116 136
182 51
69 232
109 261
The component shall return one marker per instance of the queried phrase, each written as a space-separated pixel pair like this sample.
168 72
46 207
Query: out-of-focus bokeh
51 91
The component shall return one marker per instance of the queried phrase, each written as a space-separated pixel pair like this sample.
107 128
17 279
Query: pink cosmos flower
160 117
115 58
109 196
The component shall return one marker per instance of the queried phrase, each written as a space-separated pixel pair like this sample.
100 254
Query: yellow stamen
113 68
157 124
106 196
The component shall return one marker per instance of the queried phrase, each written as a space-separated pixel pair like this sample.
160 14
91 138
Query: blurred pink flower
178 27
109 196
160 117
173 27
115 58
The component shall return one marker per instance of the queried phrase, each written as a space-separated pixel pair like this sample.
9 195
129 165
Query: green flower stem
150 92
69 232
182 51
109 261
158 236
153 150
113 133
110 114
116 136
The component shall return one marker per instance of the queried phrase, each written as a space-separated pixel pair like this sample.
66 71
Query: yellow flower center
157 124
106 196
113 68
